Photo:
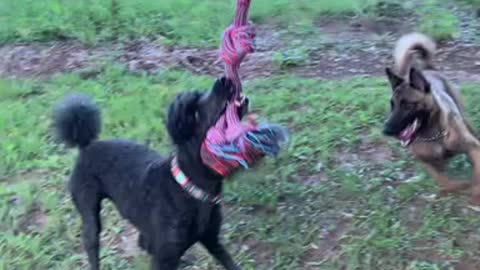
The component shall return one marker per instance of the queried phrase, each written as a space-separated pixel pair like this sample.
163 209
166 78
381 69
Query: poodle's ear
182 117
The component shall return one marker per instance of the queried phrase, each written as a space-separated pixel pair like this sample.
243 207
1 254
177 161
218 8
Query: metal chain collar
439 135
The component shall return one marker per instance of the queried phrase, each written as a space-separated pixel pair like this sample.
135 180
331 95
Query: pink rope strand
232 143
237 42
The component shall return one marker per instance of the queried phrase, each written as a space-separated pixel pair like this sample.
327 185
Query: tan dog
427 113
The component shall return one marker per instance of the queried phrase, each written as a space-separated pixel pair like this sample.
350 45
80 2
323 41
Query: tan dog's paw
454 186
475 208
474 202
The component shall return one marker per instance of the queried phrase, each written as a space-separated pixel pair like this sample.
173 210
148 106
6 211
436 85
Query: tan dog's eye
407 105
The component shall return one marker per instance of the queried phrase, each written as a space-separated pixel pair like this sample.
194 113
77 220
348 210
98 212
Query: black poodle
149 190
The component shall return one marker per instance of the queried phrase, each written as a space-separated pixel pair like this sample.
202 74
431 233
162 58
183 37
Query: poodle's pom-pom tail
77 120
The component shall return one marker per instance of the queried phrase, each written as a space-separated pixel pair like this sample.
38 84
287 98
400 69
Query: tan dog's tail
406 48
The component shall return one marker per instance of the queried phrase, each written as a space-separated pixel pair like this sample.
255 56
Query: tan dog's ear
418 81
393 78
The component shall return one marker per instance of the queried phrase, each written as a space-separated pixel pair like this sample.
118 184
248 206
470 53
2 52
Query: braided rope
232 143
237 42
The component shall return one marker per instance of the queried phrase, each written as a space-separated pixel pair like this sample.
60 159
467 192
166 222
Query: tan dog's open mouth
408 134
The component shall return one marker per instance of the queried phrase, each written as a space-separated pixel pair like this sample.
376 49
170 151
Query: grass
321 205
184 22
475 3
438 22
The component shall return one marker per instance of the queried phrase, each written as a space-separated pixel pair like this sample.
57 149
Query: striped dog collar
189 187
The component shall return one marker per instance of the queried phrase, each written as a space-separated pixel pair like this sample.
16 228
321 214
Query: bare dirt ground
343 47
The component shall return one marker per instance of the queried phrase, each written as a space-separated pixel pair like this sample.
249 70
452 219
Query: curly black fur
77 120
139 182
182 119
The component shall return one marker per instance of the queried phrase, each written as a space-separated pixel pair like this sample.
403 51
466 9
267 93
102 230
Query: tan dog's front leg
446 185
474 154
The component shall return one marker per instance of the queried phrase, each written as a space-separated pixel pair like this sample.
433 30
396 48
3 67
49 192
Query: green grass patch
437 21
325 191
474 3
184 22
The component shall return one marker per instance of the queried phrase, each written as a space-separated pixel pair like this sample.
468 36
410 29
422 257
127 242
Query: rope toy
231 143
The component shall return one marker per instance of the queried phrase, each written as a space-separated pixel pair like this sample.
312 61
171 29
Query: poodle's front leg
163 263
169 244
212 243
220 253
